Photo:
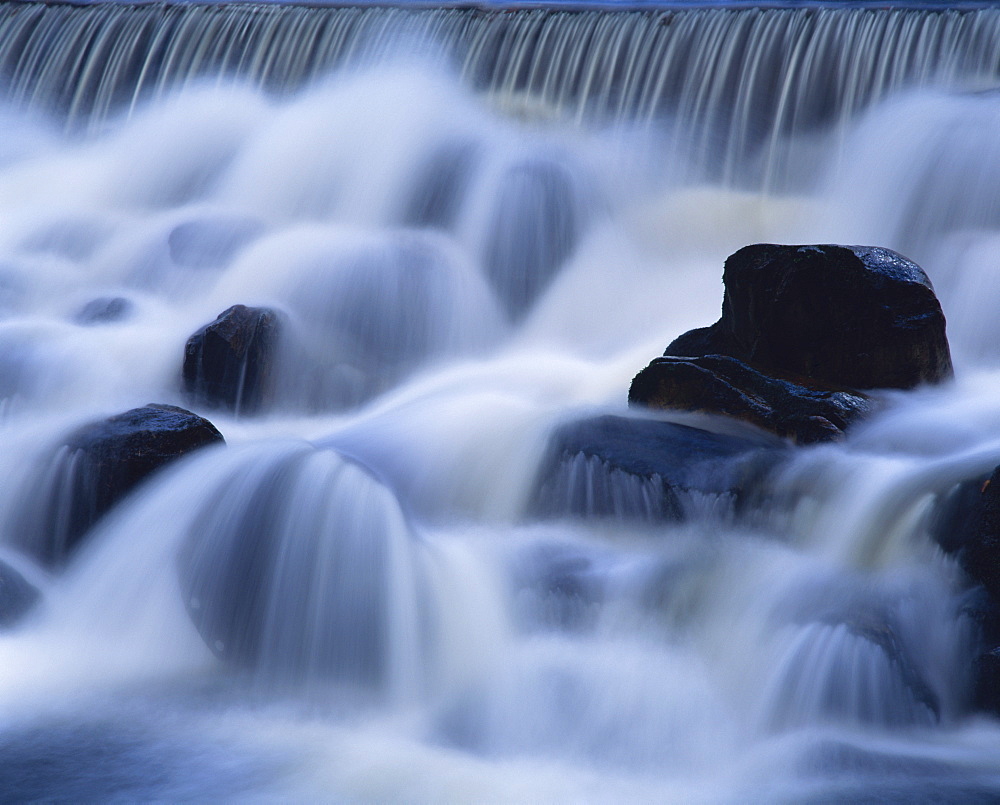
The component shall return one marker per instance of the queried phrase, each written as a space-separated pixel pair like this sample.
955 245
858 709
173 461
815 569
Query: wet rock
105 310
230 363
211 242
986 686
17 596
647 469
718 384
849 316
979 551
954 515
965 523
536 223
97 466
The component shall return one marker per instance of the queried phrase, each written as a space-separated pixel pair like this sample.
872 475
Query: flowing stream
479 226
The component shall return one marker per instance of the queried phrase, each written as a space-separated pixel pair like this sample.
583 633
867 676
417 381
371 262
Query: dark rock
702 341
647 469
97 466
986 687
106 310
17 596
980 553
230 362
954 516
211 242
718 384
848 316
536 223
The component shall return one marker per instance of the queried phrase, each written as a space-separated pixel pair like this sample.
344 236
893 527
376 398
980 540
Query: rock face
97 466
723 385
852 316
646 469
230 363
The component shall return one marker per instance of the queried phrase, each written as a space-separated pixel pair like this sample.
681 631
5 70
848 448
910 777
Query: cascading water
473 227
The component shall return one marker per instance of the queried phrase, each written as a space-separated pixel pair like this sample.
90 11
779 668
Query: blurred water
351 600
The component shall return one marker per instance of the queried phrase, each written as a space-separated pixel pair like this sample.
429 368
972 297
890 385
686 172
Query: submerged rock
851 656
230 362
441 185
718 384
537 220
298 565
97 466
211 242
366 313
17 596
851 316
648 469
105 310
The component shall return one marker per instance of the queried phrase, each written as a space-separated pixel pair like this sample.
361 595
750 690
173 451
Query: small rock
230 362
105 310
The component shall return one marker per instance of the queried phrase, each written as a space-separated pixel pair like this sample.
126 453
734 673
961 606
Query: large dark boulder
719 384
230 363
98 465
849 316
648 469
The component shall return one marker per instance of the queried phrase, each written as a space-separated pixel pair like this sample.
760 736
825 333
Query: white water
421 638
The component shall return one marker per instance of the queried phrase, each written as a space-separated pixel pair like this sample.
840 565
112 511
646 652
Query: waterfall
735 82
400 570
